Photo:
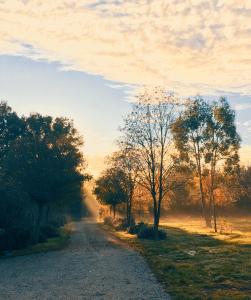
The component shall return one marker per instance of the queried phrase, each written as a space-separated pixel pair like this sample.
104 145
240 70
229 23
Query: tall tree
222 144
110 190
190 137
147 130
125 160
41 157
205 134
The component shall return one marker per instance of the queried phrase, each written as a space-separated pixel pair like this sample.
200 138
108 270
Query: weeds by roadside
51 244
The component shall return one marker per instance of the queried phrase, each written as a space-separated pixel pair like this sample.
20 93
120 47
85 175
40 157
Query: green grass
51 244
219 269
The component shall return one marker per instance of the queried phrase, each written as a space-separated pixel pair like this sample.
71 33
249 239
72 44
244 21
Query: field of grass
195 263
51 244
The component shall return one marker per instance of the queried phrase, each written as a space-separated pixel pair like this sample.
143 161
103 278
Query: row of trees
41 175
165 145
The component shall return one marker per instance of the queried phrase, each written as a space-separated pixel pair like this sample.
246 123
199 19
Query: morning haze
125 149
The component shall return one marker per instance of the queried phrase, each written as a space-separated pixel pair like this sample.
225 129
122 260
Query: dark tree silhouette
41 157
110 189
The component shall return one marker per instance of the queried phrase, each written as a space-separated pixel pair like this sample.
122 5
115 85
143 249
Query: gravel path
94 266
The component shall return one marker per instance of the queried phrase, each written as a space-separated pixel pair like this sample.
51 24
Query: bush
134 229
120 224
15 238
48 232
147 232
16 221
108 221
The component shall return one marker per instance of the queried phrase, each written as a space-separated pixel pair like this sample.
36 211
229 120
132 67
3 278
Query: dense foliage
110 189
41 176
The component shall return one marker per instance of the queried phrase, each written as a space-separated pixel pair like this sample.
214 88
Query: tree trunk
212 200
214 215
156 228
127 211
129 220
156 221
114 211
205 211
38 224
47 214
155 217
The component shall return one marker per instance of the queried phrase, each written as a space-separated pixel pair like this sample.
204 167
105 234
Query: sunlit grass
229 229
195 263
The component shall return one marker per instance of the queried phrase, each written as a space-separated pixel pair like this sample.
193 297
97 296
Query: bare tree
147 130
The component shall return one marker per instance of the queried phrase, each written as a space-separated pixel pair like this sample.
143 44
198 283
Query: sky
85 58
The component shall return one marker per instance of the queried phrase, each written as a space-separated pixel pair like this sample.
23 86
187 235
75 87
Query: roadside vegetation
184 161
42 171
58 242
196 263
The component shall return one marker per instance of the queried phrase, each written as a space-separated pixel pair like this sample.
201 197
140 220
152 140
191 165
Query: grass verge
51 244
197 266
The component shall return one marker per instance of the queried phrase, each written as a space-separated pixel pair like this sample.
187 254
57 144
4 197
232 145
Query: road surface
95 265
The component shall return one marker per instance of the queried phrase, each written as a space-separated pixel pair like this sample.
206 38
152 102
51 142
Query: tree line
182 153
42 170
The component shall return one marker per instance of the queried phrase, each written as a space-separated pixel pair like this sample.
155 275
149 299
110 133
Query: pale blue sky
96 105
39 86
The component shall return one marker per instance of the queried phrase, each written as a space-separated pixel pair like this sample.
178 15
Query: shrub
133 223
134 229
120 224
147 232
15 238
48 232
108 221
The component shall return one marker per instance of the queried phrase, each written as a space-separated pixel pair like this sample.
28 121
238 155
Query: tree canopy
41 164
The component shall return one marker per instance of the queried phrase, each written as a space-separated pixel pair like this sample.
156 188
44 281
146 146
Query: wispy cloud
190 46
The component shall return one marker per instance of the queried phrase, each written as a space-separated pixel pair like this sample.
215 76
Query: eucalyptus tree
190 137
147 130
222 143
205 136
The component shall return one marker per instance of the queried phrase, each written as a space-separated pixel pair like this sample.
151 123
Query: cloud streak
190 46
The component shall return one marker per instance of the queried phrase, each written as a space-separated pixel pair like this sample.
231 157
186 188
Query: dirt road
93 266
